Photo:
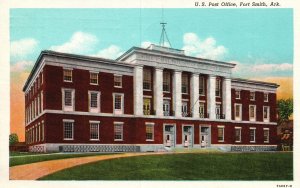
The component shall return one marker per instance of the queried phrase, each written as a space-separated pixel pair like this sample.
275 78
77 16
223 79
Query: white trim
254 95
185 100
93 121
68 120
167 98
150 123
266 93
147 96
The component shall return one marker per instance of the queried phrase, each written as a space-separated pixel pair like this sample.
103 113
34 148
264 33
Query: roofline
241 80
70 56
132 49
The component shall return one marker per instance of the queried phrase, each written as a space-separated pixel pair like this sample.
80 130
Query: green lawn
195 166
25 158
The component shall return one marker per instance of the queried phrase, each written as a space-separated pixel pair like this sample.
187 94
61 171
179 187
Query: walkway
37 170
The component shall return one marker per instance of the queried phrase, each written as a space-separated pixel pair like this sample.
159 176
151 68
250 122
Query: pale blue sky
250 37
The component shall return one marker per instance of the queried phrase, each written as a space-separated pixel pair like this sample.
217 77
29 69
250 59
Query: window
201 85
94 101
166 81
201 110
68 129
149 131
166 107
43 129
252 112
266 97
238 112
118 103
41 78
67 75
220 133
68 99
266 110
252 95
237 94
93 78
147 79
94 130
184 84
238 135
184 109
252 134
147 106
218 87
266 135
118 81
118 131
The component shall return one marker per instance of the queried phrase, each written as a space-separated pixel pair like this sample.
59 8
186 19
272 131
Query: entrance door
169 136
205 137
187 136
204 140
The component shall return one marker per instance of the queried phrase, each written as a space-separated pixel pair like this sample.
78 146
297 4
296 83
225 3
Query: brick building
150 99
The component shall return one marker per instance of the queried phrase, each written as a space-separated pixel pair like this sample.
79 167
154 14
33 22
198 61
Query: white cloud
112 52
146 44
21 66
273 67
80 42
22 48
207 48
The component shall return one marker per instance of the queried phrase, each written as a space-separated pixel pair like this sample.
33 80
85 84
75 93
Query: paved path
37 170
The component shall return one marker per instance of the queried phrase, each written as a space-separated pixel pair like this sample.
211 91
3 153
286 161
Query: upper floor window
252 112
184 84
166 107
266 97
201 85
184 109
238 111
166 81
118 103
93 78
68 99
237 94
238 134
68 75
218 87
147 106
149 131
68 129
118 131
147 79
252 95
266 111
220 133
201 110
118 81
94 101
94 130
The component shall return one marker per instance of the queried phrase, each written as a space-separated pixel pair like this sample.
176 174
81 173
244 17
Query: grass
26 158
194 166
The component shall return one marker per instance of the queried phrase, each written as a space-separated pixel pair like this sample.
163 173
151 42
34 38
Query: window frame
98 108
268 135
64 128
218 87
239 94
240 114
64 76
116 77
252 118
240 134
252 99
254 135
202 80
71 107
147 73
166 81
266 99
185 77
150 124
97 78
118 111
98 130
223 133
268 114
122 131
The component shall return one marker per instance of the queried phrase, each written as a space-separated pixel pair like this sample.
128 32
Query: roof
240 80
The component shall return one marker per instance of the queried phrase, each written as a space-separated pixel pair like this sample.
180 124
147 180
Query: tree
285 109
13 138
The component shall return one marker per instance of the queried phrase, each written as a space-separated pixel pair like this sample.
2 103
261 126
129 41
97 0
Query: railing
220 116
203 115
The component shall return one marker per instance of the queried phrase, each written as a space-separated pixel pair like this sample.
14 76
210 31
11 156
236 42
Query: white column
138 90
177 93
158 93
226 95
211 96
194 87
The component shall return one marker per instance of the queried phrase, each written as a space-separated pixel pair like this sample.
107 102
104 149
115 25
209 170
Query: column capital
212 76
195 73
138 66
177 71
159 68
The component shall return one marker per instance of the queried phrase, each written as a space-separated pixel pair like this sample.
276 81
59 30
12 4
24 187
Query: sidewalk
37 170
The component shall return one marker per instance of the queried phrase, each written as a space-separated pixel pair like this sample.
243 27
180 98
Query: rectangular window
94 130
252 95
118 131
68 99
68 130
166 81
184 109
218 87
201 110
166 107
266 111
117 81
93 78
220 134
266 135
118 103
147 106
238 134
266 97
184 84
43 129
252 134
252 112
238 112
149 131
67 75
94 100
237 94
147 79
201 85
